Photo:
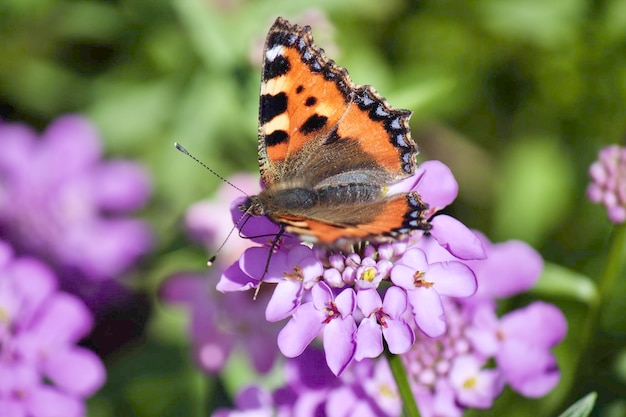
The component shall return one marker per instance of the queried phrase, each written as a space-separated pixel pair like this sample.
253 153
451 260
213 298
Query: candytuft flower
41 366
467 366
608 182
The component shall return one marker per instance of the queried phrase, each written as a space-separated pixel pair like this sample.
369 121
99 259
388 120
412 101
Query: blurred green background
516 96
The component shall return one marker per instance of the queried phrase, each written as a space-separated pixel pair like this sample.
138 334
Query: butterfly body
328 149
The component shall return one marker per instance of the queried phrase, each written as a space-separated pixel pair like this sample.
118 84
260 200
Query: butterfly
328 149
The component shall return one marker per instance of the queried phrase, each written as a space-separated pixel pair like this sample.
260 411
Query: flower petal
322 295
300 330
399 336
395 303
339 343
539 324
234 279
253 261
369 339
512 267
345 302
369 300
428 311
456 238
453 279
182 288
415 258
437 186
73 145
403 276
285 299
49 402
121 185
78 371
66 320
529 370
475 387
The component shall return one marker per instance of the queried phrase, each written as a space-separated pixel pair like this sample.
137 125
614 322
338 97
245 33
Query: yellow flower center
470 383
369 274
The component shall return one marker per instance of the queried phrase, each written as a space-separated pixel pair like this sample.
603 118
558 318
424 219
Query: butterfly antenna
244 217
186 152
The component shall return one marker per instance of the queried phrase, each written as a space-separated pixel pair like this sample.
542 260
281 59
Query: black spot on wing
271 106
276 137
310 101
313 123
299 89
275 68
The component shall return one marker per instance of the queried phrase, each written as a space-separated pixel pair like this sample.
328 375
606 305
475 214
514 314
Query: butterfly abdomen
349 194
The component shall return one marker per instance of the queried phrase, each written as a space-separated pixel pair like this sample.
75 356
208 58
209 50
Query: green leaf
558 281
582 407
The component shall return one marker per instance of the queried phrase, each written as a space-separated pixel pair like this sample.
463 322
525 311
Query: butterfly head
253 206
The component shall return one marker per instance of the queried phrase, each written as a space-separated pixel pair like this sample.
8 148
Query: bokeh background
516 96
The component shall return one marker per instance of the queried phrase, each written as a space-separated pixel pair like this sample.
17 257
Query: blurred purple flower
219 324
475 386
252 401
530 333
62 203
41 367
608 182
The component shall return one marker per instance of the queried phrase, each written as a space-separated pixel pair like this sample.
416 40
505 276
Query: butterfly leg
269 258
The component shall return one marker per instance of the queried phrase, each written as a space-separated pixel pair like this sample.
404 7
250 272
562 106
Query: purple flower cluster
380 290
42 371
608 182
465 367
61 203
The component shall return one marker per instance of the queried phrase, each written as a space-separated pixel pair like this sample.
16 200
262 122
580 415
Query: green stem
404 388
614 267
615 262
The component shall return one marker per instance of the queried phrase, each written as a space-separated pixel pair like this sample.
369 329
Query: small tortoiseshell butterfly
329 148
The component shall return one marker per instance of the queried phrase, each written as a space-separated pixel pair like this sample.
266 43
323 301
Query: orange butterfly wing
322 136
308 102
